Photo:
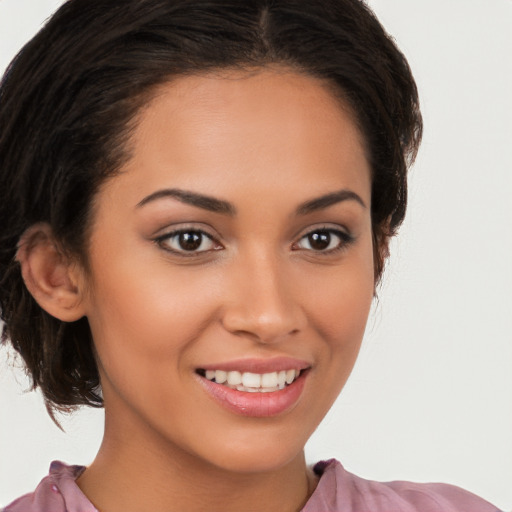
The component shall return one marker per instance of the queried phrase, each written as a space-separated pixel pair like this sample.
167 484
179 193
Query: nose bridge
263 304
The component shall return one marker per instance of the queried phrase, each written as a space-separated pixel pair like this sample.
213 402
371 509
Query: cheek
144 323
145 314
343 299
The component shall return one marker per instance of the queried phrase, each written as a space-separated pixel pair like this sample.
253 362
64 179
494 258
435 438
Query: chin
257 459
263 451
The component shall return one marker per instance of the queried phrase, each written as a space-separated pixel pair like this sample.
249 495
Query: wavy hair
68 104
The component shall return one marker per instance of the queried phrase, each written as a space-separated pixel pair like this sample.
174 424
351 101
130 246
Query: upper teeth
247 381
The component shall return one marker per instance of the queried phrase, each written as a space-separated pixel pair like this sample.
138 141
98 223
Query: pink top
337 491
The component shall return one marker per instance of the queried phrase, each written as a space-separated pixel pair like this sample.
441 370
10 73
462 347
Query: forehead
223 131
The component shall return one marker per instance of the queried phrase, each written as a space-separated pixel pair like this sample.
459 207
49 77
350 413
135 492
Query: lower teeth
255 390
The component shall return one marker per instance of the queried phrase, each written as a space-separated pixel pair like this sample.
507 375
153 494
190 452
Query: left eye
324 240
187 241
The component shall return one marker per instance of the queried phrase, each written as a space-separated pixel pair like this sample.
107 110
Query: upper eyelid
323 227
170 232
176 232
340 233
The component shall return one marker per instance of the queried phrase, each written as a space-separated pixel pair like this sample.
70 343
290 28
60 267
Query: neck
132 473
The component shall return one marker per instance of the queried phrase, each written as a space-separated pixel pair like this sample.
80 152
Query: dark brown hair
69 99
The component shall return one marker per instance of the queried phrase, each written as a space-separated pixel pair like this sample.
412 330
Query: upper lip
275 364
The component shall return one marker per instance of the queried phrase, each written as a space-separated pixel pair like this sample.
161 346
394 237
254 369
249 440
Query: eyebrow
327 200
224 207
209 203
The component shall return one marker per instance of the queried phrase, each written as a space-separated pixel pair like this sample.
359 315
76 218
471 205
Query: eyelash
345 239
164 241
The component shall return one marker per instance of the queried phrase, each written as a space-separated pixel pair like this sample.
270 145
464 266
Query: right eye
188 242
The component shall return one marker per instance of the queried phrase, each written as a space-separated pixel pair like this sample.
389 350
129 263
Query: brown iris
190 241
319 240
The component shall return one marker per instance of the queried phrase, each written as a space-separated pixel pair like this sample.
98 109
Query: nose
262 303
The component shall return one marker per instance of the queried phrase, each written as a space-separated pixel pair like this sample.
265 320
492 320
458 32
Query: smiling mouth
252 382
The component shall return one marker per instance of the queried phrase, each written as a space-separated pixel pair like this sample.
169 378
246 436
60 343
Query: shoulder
340 490
57 492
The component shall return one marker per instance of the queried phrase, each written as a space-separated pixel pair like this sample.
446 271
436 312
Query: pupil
190 241
319 240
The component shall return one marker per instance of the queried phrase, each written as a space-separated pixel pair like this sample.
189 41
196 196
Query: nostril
264 327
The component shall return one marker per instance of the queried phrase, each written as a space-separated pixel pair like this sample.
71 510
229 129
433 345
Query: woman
196 233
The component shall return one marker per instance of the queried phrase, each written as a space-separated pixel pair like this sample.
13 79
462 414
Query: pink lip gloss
256 404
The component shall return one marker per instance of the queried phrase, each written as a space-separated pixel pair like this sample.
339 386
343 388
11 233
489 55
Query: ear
49 275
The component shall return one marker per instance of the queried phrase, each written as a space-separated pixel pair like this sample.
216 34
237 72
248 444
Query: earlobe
49 275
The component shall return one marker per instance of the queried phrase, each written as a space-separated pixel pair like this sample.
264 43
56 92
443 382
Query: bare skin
270 148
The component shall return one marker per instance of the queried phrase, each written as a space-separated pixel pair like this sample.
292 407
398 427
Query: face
231 268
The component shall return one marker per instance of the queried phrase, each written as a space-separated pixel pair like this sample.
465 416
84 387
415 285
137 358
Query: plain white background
430 398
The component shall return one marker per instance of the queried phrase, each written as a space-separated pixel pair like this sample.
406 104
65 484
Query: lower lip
260 405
